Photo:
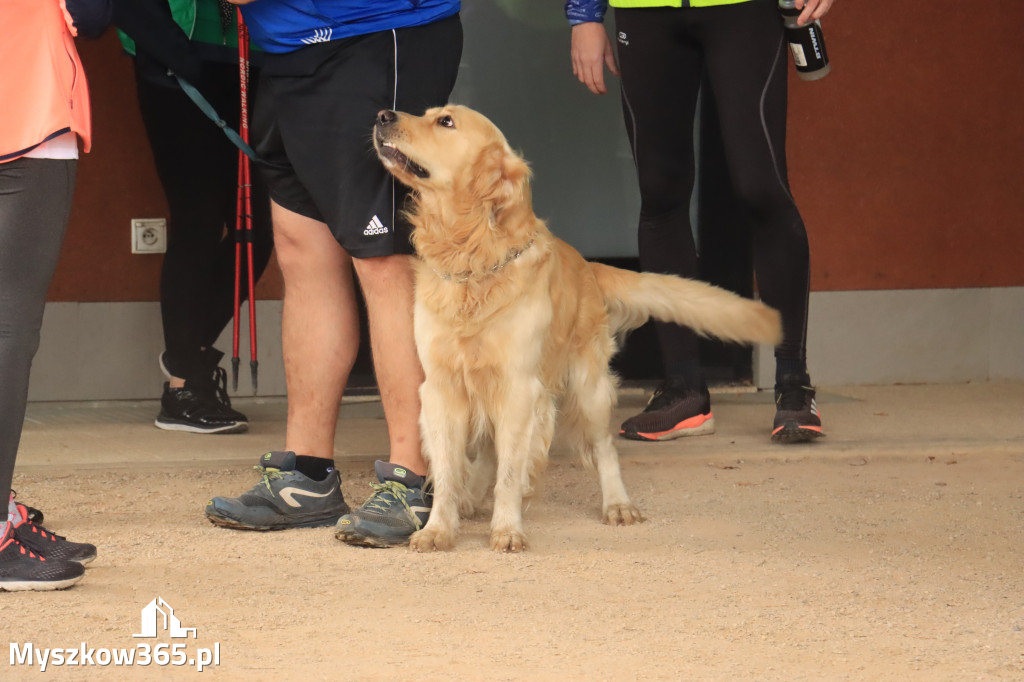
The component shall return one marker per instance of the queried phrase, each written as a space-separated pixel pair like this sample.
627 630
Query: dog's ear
499 177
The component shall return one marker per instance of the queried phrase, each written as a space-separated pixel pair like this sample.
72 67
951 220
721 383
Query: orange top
43 91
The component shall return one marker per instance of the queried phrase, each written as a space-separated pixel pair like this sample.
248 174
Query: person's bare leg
319 329
387 284
320 334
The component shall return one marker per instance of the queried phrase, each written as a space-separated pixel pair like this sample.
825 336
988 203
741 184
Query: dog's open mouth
390 153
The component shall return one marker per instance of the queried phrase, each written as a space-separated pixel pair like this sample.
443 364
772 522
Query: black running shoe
52 547
284 498
200 407
673 411
398 508
21 569
797 419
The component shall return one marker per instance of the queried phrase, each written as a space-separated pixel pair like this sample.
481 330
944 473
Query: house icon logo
157 615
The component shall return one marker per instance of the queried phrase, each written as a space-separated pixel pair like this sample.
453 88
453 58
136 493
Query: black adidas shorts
313 126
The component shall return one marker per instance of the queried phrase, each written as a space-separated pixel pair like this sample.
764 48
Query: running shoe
200 407
797 419
46 544
22 569
284 498
674 411
398 508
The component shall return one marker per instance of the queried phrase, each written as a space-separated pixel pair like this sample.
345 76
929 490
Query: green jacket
199 19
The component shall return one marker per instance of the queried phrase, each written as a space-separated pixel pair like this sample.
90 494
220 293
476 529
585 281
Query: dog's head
452 151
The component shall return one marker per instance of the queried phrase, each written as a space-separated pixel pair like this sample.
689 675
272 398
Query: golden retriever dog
512 325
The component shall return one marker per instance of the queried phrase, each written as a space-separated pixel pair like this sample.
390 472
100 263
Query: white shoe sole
38 585
237 427
704 429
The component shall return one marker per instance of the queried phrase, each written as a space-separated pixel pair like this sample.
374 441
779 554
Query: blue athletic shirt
287 25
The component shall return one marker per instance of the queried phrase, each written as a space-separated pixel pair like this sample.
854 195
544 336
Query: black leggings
35 201
198 168
663 53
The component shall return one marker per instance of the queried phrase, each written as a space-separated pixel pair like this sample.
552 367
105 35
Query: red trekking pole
243 222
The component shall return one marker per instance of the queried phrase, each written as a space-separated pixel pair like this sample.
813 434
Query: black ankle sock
316 468
786 369
680 383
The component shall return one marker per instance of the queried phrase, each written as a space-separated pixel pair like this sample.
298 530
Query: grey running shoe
797 419
398 508
674 411
284 498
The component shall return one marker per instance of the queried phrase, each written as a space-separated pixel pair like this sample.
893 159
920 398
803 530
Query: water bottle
806 42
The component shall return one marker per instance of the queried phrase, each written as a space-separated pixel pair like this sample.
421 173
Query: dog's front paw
622 515
508 541
428 540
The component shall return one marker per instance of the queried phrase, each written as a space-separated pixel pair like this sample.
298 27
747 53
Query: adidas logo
375 226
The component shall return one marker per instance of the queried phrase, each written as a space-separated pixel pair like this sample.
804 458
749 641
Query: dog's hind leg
522 436
585 416
444 423
617 510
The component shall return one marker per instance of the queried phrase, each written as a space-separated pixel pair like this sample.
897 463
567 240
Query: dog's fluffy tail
634 297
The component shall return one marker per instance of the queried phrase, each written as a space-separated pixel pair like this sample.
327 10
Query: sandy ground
891 550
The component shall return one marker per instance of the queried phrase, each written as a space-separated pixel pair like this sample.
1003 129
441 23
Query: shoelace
656 396
792 398
47 535
664 396
386 494
212 392
21 547
220 386
269 474
36 528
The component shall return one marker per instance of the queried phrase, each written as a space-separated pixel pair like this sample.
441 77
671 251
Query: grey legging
35 200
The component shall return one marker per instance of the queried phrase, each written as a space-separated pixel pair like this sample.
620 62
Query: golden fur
512 323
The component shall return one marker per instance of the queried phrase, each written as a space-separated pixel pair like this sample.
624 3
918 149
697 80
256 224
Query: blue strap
211 113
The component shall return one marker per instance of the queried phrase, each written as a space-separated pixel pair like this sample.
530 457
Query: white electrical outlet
149 235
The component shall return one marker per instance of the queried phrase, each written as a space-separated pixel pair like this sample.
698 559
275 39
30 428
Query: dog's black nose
386 117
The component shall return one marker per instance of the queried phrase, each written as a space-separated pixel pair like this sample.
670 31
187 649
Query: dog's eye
446 121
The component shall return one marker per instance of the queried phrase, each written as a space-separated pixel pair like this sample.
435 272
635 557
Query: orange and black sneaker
46 544
797 419
674 411
22 569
